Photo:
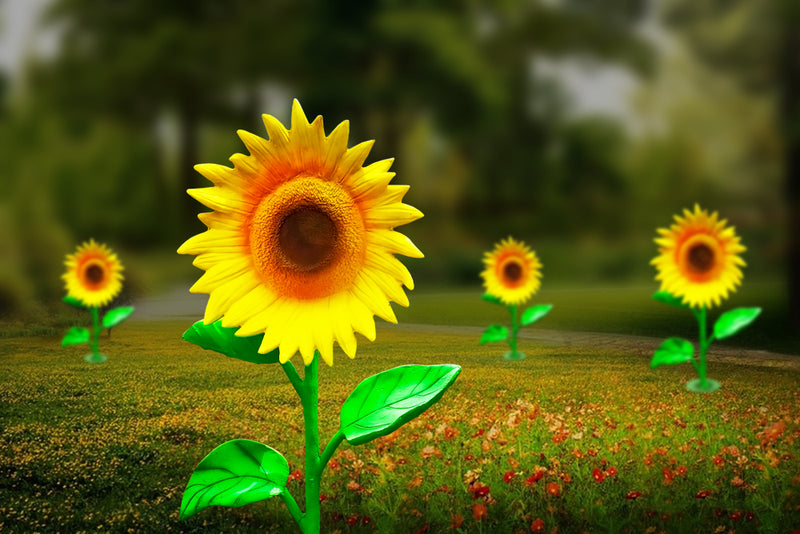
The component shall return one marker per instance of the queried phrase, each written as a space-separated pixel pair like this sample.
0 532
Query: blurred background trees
99 137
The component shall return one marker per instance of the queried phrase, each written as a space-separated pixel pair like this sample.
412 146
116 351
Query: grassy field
570 440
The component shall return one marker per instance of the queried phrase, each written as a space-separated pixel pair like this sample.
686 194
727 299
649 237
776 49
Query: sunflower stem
514 329
95 340
309 396
701 320
294 377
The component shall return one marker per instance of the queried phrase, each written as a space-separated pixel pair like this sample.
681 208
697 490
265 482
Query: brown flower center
701 258
308 239
512 272
94 274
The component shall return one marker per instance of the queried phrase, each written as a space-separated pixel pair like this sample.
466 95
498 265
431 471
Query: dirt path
180 304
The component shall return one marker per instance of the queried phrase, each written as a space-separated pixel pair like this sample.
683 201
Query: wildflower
537 525
633 495
598 475
300 245
611 471
702 494
480 511
508 476
553 489
456 521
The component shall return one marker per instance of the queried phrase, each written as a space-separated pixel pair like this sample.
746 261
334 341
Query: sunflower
94 274
300 245
513 272
698 258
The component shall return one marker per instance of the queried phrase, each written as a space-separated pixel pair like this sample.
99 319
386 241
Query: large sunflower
94 274
300 245
513 272
698 258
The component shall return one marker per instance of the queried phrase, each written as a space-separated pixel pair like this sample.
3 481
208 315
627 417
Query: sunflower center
701 258
94 274
307 238
512 271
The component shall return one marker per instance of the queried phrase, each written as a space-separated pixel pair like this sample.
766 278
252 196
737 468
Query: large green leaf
669 298
236 473
672 351
494 332
384 402
216 337
732 321
75 336
72 301
534 313
116 316
491 298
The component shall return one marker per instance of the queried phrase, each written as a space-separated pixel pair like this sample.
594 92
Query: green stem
514 329
701 320
309 396
294 377
335 441
291 504
94 344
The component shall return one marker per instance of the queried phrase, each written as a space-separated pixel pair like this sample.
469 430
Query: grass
511 447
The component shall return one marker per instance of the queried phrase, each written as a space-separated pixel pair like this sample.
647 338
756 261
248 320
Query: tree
757 42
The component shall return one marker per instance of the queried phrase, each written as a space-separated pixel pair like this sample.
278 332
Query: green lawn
620 309
109 448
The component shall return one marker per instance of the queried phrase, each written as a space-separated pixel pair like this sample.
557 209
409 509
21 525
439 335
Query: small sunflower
94 274
513 272
698 258
300 245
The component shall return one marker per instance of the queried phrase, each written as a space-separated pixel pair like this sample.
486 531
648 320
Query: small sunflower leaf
534 313
72 301
386 401
236 473
224 340
669 298
491 298
117 315
672 351
733 321
75 336
494 332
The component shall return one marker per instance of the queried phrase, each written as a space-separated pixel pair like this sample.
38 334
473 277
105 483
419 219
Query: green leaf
224 340
534 313
236 473
673 350
732 321
72 301
669 298
384 402
116 316
75 336
491 298
494 332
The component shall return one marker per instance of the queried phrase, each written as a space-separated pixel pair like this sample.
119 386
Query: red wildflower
352 520
611 471
537 525
450 433
480 512
479 490
702 494
772 432
534 478
508 476
366 520
681 470
736 516
456 521
633 495
553 489
668 475
598 475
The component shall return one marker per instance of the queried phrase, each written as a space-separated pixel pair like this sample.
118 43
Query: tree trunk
187 207
790 112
